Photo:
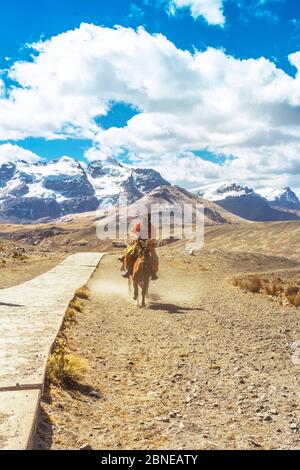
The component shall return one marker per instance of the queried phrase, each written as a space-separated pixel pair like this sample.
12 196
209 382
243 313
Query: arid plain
207 365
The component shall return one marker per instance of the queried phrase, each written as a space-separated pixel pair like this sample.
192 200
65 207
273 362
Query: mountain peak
282 197
31 190
265 204
65 159
220 191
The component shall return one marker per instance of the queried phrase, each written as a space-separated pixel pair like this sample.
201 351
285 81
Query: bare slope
273 238
78 231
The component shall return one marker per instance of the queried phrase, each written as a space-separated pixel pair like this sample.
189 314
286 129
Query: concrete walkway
31 315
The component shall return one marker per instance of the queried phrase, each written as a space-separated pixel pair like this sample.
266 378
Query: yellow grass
274 287
70 314
64 368
291 290
83 293
252 283
76 304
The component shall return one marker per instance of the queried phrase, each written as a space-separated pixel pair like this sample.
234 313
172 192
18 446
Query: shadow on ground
44 436
5 304
173 308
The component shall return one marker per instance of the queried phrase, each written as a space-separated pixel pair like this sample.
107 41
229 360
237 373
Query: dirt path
205 366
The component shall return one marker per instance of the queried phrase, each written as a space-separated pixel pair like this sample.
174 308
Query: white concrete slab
89 259
31 315
18 417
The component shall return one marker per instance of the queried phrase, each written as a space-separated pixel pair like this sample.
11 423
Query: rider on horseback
145 232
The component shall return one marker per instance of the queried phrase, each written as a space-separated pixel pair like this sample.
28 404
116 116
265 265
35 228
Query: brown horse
142 272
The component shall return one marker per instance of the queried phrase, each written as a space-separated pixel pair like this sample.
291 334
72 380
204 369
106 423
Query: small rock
294 427
165 419
86 447
95 394
152 394
254 443
267 418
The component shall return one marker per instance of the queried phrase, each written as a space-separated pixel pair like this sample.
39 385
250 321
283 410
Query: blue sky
251 29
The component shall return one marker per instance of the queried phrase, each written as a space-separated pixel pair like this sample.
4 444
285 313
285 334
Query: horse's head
143 248
143 265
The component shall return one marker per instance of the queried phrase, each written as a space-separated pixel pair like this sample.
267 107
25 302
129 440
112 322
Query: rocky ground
21 262
205 366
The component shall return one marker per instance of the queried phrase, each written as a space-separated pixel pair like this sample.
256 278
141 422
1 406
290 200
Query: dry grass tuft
273 287
291 290
252 283
63 368
76 304
292 293
83 293
70 315
294 300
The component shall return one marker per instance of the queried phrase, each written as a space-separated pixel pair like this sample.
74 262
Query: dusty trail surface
206 366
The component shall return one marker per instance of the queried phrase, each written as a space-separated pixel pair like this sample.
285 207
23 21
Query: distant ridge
261 206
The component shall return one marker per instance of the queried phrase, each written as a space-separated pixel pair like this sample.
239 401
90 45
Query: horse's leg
129 285
134 283
135 290
143 296
145 291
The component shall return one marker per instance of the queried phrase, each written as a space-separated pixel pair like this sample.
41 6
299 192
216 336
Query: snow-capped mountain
51 189
249 204
280 197
220 191
31 191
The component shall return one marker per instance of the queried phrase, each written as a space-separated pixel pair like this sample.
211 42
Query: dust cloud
109 287
120 288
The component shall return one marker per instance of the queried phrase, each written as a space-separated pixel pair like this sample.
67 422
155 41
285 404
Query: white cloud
295 60
2 89
210 10
248 109
12 153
